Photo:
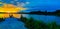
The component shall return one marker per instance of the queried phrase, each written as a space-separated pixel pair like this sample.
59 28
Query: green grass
35 24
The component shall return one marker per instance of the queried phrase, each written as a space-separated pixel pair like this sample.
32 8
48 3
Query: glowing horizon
10 8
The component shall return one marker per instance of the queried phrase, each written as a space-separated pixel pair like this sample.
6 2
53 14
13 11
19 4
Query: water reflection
7 15
12 22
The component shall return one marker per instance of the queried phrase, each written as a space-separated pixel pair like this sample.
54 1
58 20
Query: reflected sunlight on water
7 15
17 15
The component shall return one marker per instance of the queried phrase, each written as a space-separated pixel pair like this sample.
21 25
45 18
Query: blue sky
41 5
49 5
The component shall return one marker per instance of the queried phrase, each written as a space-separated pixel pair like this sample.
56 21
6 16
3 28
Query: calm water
12 23
46 19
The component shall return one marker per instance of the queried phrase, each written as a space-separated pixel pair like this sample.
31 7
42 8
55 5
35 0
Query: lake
13 23
45 18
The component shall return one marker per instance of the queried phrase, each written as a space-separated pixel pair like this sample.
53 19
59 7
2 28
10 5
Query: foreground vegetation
2 19
34 24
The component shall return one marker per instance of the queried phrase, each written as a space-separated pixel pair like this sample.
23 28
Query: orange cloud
10 8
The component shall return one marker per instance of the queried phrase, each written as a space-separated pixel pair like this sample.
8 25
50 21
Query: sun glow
10 8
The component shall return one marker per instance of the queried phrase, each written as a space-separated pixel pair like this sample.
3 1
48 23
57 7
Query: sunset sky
41 5
10 8
32 5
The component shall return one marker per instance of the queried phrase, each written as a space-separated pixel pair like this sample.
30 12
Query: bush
34 24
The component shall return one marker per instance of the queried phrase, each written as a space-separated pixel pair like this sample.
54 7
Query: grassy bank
34 24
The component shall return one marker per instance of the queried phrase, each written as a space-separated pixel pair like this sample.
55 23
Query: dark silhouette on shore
56 13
